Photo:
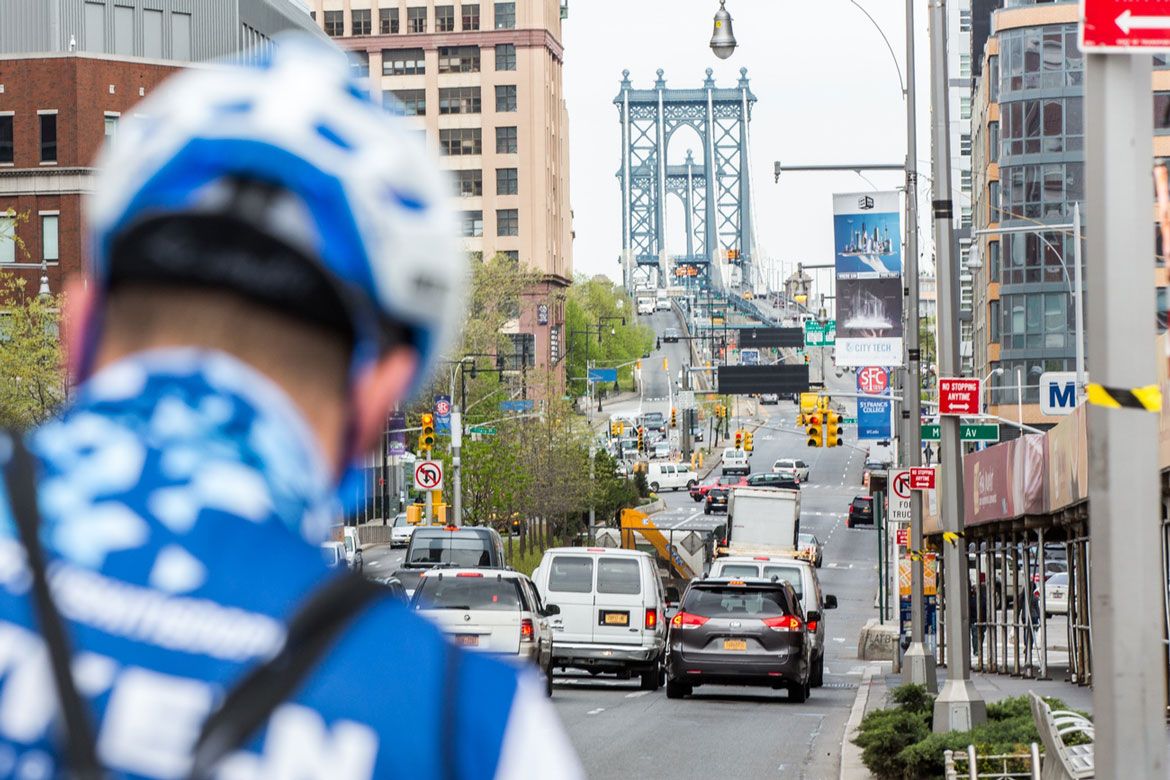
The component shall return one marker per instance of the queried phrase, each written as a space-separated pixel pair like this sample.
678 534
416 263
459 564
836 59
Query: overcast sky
827 92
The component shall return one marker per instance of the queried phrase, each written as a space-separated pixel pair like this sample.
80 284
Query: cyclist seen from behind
273 267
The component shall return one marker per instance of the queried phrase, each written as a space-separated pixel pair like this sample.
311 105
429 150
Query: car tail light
469 574
812 626
760 558
785 623
451 528
687 620
527 631
651 617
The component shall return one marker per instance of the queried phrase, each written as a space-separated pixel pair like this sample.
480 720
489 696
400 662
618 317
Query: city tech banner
868 260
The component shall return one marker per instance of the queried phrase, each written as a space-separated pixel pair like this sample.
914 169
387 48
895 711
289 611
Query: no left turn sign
901 484
428 475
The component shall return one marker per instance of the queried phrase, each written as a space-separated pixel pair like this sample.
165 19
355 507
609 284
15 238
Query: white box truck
762 520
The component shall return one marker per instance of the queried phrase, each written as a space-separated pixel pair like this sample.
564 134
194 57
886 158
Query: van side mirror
830 602
672 595
812 616
551 609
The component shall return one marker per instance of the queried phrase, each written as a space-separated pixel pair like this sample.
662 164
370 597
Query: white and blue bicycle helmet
284 182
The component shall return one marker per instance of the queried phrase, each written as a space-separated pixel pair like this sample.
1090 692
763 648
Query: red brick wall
79 89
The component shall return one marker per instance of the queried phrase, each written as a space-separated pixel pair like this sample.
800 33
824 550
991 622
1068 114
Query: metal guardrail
967 765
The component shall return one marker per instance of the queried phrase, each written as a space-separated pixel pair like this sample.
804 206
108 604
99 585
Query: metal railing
966 765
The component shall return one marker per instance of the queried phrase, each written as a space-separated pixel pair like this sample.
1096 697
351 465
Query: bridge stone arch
714 184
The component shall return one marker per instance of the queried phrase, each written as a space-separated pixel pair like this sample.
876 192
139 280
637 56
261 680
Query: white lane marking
636 694
690 517
839 639
374 563
596 711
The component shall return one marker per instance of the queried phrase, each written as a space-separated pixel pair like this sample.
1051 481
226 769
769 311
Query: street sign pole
1129 674
959 707
918 665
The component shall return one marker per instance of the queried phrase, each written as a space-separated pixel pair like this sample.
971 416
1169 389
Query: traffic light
823 403
426 439
747 441
673 417
739 440
813 431
832 429
641 438
617 428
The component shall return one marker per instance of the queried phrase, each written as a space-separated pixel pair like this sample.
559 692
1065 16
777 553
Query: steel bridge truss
716 207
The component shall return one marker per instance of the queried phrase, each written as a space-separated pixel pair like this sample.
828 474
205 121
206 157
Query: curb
852 767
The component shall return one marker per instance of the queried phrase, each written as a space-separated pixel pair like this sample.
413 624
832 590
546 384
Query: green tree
620 338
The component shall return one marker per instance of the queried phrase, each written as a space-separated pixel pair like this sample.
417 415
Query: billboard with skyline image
867 235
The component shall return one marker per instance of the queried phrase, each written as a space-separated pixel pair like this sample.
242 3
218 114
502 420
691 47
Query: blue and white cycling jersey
183 501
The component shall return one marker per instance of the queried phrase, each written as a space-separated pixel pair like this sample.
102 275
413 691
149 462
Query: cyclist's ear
375 392
77 325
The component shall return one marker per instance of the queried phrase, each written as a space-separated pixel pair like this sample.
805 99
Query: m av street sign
968 432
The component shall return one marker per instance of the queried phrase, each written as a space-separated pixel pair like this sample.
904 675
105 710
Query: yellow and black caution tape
1148 398
917 555
952 537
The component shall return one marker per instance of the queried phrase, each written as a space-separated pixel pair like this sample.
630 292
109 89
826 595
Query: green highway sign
968 432
482 430
820 335
849 421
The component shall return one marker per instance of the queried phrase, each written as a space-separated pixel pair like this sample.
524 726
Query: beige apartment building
483 80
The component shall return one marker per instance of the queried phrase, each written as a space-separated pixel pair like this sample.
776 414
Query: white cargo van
662 301
612 611
803 578
645 304
670 476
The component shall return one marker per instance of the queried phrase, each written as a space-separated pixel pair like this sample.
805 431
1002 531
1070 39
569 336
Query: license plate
467 640
735 644
615 618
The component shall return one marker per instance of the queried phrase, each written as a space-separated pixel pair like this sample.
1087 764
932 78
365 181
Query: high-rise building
1028 165
959 81
483 81
69 71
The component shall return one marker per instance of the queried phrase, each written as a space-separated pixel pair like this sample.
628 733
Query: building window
993 204
965 217
388 21
111 125
403 62
181 37
507 222
965 107
48 138
964 20
7 239
507 181
458 141
124 30
1037 321
152 34
1162 112
472 224
361 21
95 27
993 78
50 246
459 100
413 102
416 20
444 18
505 16
513 255
1041 190
993 321
1049 125
359 63
993 261
993 142
506 140
505 97
7 146
964 66
470 17
1040 57
505 56
334 24
470 183
965 144
458 59
1030 258
965 181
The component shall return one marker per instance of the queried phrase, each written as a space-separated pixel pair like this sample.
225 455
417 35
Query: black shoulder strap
20 480
311 633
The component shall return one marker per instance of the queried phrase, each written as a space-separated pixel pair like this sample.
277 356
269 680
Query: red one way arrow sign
1125 25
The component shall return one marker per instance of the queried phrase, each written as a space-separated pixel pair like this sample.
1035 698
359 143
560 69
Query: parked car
1055 595
401 531
716 500
670 476
739 632
496 612
811 546
612 611
670 336
803 578
735 462
793 465
860 512
452 548
334 554
769 398
772 479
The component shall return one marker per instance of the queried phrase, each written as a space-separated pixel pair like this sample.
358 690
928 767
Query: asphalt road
620 731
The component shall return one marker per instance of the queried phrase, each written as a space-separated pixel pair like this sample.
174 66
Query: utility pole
959 707
917 664
1129 674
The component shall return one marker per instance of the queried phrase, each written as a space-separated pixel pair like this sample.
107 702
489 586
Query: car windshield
732 601
449 549
400 520
863 504
1058 579
462 592
807 539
